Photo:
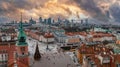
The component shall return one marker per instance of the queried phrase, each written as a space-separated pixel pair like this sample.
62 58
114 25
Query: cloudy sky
68 9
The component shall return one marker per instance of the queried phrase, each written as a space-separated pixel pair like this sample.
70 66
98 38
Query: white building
47 38
72 39
61 38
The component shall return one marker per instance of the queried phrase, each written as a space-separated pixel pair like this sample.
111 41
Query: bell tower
22 47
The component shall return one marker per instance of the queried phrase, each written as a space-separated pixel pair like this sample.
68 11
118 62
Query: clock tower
22 47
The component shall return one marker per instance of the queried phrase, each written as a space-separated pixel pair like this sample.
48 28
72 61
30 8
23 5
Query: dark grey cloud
115 11
11 8
92 8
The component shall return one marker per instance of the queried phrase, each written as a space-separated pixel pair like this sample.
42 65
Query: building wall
20 50
103 38
48 40
33 35
118 42
72 40
61 39
8 52
79 56
3 57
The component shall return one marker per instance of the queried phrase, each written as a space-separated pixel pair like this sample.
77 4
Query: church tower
22 47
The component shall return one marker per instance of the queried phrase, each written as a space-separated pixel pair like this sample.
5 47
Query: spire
22 35
31 18
21 26
21 16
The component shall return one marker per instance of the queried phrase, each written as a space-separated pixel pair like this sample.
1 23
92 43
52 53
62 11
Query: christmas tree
37 55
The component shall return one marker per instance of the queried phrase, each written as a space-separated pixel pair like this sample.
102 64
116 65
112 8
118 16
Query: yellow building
79 56
118 42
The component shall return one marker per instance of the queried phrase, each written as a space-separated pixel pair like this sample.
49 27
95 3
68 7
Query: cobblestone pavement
50 58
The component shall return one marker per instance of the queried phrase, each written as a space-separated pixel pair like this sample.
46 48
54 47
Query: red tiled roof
48 35
94 49
75 33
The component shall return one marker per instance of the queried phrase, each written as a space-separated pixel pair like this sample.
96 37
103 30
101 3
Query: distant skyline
69 9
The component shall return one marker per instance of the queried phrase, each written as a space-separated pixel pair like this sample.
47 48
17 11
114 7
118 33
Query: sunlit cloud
67 9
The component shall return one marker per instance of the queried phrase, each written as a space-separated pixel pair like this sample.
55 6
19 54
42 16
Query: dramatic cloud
36 8
115 11
97 9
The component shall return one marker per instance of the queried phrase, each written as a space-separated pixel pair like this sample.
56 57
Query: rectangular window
22 48
118 65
